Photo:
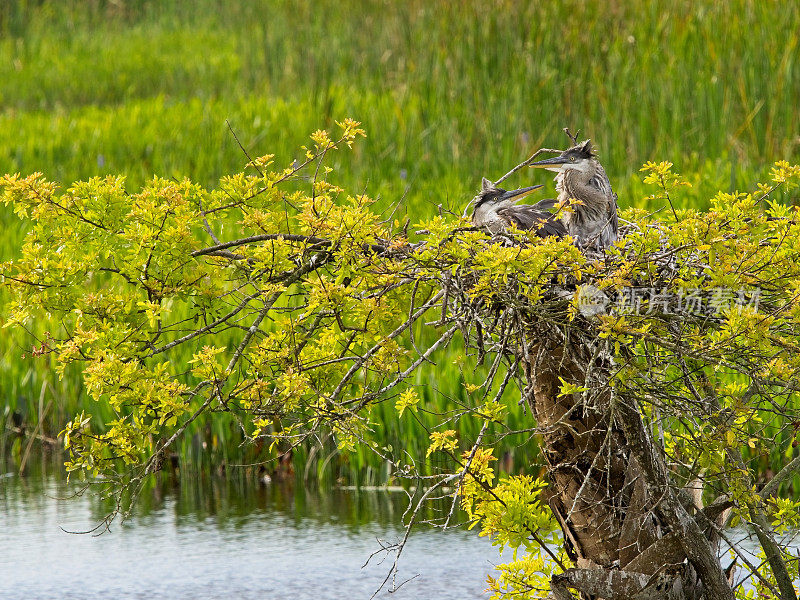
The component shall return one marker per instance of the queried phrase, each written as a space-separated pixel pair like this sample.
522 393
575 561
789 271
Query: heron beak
519 194
551 164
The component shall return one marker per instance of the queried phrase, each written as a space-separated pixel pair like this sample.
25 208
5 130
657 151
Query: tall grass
448 92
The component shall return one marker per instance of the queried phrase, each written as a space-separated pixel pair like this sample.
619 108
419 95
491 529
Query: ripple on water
249 543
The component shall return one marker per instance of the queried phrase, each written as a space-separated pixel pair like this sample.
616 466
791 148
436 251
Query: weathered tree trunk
585 457
624 526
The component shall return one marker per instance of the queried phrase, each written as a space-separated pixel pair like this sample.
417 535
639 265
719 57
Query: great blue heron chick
583 186
496 208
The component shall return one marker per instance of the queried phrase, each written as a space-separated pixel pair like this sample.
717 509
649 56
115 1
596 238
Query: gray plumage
592 221
496 208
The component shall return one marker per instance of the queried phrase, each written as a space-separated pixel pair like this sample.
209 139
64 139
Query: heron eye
571 159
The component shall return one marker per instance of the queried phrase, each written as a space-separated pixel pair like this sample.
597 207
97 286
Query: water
210 537
216 538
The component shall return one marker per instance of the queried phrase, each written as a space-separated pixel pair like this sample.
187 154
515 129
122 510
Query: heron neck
591 188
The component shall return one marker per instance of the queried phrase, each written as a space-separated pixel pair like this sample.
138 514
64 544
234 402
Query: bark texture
624 526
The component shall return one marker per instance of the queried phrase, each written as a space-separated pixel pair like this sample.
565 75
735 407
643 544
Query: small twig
524 163
463 472
205 221
574 138
252 162
392 574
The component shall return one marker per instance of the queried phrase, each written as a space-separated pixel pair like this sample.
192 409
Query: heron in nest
495 209
587 204
583 187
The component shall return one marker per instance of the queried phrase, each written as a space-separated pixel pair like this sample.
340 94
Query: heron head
490 193
579 157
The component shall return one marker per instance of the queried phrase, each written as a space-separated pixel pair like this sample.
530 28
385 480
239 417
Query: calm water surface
218 538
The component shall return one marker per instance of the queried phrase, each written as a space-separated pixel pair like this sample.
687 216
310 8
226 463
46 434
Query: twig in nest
524 163
574 138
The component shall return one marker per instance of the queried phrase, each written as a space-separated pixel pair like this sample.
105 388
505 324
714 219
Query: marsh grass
448 92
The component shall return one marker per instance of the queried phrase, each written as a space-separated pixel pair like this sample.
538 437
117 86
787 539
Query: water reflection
212 537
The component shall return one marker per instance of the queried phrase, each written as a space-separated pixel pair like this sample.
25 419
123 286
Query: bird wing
545 204
528 216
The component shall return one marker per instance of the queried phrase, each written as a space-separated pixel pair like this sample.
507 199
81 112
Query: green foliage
130 88
511 513
299 325
764 584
